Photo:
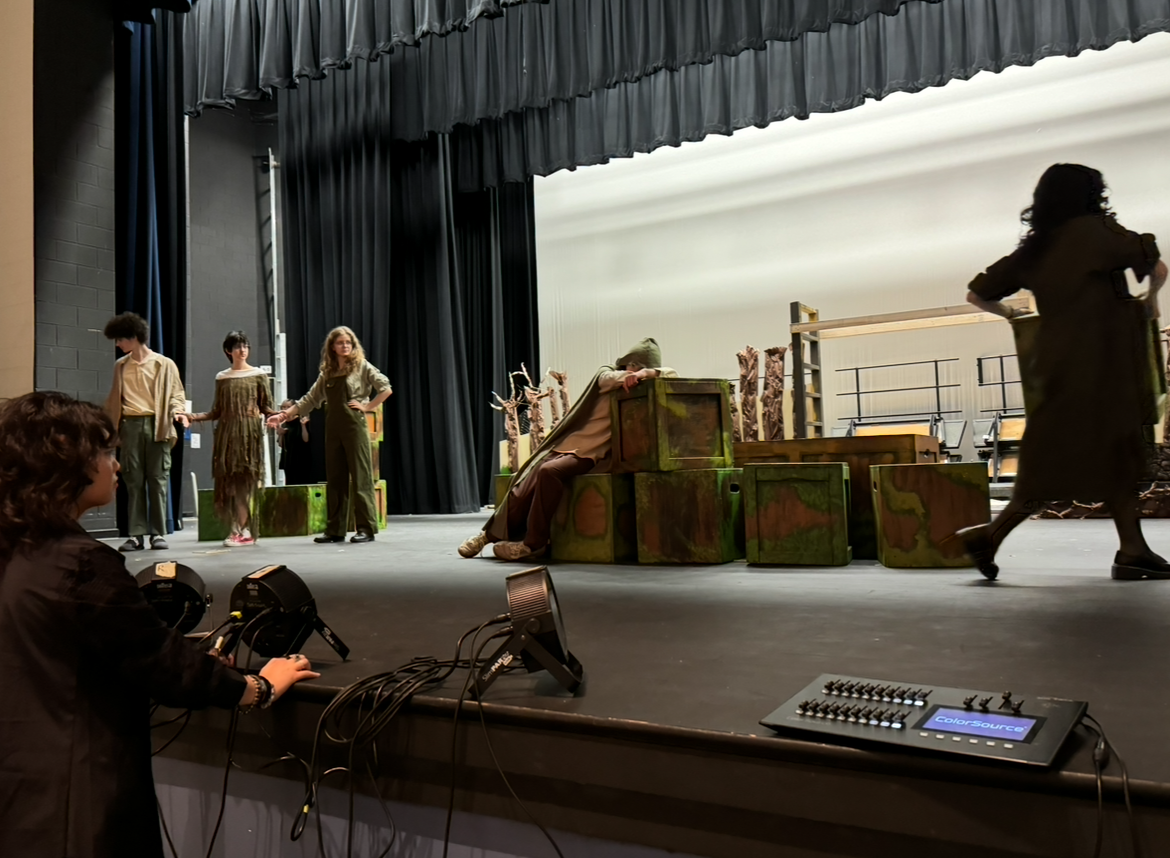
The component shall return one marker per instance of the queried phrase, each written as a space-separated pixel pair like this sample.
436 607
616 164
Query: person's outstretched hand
286 672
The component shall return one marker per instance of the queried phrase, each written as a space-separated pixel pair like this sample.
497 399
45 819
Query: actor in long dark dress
243 398
1084 437
81 652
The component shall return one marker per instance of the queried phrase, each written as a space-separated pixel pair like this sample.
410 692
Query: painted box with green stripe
918 508
689 516
290 510
595 520
211 527
379 505
797 514
672 424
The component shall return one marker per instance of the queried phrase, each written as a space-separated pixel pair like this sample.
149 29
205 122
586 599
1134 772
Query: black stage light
278 613
176 593
537 636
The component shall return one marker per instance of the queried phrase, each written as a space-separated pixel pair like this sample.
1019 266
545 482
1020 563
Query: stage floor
715 648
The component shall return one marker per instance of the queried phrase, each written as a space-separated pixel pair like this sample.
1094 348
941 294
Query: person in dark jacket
82 654
1083 440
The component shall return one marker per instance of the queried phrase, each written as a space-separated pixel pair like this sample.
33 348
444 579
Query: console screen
992 725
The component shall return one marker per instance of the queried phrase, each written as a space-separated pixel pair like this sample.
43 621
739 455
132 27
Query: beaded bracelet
264 695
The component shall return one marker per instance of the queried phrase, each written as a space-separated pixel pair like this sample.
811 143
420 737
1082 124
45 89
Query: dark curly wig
1064 192
48 443
128 326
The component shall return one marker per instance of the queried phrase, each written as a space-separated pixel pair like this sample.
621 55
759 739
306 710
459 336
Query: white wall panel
892 206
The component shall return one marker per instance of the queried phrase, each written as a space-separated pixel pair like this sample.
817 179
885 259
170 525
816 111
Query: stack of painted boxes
673 493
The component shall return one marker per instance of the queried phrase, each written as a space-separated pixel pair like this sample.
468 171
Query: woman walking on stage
1084 437
242 400
84 654
343 386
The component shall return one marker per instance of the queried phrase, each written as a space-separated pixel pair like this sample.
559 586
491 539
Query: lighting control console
998 726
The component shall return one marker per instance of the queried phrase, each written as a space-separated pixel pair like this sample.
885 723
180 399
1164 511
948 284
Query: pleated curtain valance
544 87
925 45
532 52
246 48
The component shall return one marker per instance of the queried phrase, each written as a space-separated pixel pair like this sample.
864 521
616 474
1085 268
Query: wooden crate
859 453
689 516
211 527
797 514
672 424
379 502
918 508
595 520
502 482
290 510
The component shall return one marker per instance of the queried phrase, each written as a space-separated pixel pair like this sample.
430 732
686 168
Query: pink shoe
237 540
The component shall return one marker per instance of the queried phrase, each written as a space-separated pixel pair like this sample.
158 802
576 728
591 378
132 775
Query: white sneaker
471 547
515 551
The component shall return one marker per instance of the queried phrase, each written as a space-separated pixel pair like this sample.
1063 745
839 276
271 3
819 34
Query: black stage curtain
579 81
439 286
534 52
247 48
151 200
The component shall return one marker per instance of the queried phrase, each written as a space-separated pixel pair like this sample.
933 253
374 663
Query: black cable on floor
1109 749
500 769
227 770
372 703
455 729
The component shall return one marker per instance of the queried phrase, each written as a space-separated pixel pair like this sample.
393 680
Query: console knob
1006 697
983 703
967 701
1017 705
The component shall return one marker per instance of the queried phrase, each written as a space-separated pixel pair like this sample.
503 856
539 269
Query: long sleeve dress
242 399
82 654
1083 441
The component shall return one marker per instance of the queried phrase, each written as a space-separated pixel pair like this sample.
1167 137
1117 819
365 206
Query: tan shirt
167 397
137 383
595 437
358 385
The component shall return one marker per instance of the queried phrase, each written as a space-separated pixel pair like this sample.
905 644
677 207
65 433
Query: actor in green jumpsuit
343 386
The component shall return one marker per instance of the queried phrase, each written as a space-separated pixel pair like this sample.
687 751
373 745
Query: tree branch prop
749 385
774 393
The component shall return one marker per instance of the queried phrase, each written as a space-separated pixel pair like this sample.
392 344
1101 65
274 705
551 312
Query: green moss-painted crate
595 520
379 503
290 510
211 527
797 514
502 481
917 508
860 453
671 424
690 516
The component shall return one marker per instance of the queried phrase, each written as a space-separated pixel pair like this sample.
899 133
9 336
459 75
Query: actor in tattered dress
243 399
1083 439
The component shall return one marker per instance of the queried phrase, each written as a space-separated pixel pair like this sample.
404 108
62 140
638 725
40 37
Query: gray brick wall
228 201
73 164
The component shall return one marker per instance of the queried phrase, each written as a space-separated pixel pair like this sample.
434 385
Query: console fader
1014 728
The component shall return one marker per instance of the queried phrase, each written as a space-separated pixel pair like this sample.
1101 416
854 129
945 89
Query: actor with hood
580 444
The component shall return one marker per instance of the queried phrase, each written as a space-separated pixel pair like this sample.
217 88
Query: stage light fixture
278 613
176 592
537 636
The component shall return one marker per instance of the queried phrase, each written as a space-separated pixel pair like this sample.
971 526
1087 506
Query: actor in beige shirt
145 401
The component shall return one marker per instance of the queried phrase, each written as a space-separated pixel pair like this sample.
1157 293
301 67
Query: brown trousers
532 505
